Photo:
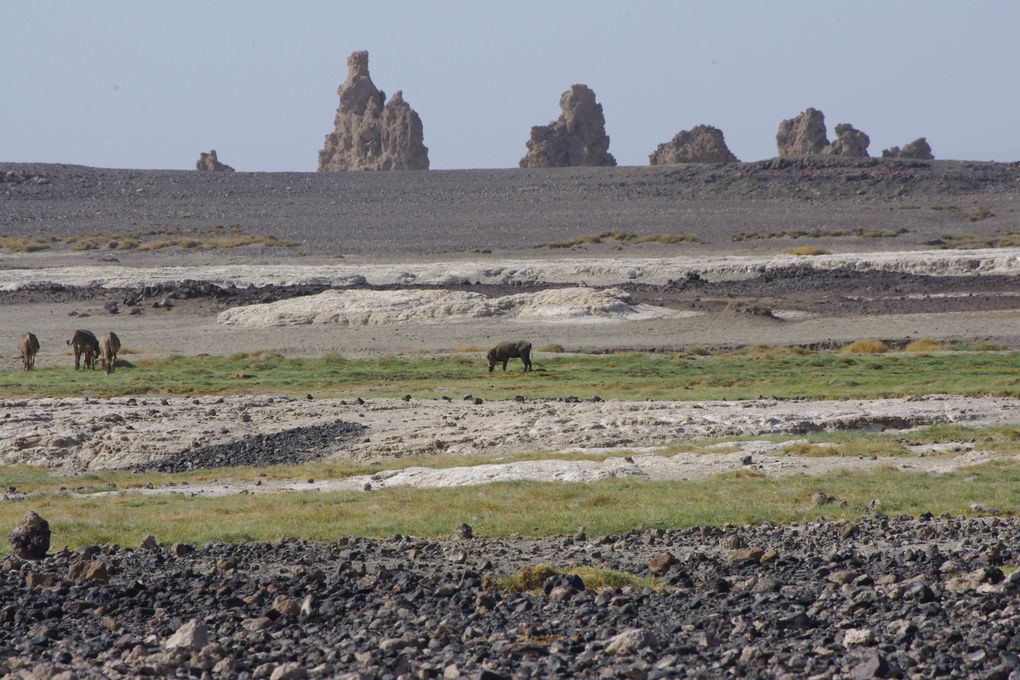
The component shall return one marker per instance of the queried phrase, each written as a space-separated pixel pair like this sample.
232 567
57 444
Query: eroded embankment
569 271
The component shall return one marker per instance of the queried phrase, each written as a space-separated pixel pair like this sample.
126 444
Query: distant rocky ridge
578 137
371 135
208 162
805 135
919 149
700 144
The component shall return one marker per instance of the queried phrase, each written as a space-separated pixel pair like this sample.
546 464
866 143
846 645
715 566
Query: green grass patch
524 508
742 374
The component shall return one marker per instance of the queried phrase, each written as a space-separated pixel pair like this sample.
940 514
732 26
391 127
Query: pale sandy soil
75 435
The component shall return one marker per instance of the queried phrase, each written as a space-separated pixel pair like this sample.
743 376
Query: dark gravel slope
885 598
389 213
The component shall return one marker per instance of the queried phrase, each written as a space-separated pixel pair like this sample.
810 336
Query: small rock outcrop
700 144
577 137
210 163
849 142
919 149
803 135
31 539
371 135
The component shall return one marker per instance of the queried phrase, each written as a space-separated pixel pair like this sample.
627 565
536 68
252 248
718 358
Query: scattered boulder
700 144
660 564
371 135
849 142
193 635
210 163
31 539
630 641
803 135
919 149
578 137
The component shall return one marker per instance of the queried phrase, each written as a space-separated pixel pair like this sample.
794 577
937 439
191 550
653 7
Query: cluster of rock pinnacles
370 133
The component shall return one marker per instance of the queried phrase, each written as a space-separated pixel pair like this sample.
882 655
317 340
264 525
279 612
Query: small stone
660 564
286 606
182 549
290 670
463 532
858 637
630 641
747 556
149 543
874 666
193 635
88 570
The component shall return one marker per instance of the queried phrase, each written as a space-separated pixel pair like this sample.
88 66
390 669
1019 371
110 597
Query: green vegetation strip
777 372
1004 440
524 508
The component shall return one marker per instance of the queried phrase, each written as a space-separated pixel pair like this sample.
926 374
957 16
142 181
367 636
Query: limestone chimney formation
805 136
371 135
700 144
208 162
919 149
577 137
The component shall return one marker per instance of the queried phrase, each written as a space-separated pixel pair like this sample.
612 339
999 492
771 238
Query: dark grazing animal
85 347
109 348
505 351
28 345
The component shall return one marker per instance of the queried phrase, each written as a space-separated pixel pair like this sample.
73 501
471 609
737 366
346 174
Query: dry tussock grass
552 347
923 345
806 250
866 346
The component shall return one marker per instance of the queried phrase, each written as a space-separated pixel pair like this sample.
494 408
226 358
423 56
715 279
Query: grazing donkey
505 351
28 345
85 347
109 348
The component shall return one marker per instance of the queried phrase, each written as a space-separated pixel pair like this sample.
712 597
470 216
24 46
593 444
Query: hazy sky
142 84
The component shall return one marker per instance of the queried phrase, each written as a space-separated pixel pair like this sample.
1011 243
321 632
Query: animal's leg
505 362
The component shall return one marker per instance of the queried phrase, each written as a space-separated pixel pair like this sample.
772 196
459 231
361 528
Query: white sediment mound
587 271
380 307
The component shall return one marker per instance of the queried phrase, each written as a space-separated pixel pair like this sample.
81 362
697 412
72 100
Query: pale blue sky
127 83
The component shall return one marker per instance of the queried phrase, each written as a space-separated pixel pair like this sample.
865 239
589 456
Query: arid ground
807 254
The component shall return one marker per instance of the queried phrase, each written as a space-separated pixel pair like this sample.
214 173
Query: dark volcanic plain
415 213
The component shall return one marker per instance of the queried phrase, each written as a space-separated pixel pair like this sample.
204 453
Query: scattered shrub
979 213
923 345
866 346
806 250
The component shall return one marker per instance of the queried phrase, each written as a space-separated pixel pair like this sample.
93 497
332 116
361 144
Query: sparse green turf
524 508
779 372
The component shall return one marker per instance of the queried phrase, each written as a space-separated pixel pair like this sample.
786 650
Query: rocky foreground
902 597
